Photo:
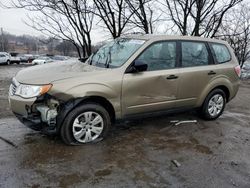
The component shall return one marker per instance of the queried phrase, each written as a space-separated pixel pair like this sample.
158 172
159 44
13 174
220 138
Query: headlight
29 91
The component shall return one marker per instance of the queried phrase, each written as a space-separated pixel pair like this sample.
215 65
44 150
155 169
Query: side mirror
137 66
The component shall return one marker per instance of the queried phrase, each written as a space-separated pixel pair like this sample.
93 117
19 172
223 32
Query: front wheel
8 62
85 124
214 104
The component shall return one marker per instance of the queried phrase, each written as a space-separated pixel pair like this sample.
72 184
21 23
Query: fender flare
219 82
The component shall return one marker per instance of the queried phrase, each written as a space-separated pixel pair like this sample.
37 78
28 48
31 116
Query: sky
13 21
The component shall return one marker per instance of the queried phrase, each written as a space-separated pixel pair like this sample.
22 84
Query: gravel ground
136 154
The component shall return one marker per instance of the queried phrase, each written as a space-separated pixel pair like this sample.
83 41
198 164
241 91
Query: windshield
115 53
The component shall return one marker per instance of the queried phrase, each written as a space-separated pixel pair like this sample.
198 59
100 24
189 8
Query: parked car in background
26 58
14 58
4 58
6 53
59 58
42 60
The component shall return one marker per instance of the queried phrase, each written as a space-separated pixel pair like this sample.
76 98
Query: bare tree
179 12
236 30
198 17
3 41
114 15
65 48
67 20
142 14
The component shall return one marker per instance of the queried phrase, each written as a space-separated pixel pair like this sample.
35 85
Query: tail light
238 70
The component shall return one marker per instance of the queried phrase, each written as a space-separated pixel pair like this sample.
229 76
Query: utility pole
2 40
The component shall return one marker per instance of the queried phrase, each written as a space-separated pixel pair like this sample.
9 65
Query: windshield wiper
109 61
91 58
83 59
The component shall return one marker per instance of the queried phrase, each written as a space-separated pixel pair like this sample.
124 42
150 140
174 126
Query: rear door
156 88
196 71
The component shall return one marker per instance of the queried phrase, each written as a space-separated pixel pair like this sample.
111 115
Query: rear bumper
15 61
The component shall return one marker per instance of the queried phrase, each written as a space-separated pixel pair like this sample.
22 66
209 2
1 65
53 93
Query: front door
156 88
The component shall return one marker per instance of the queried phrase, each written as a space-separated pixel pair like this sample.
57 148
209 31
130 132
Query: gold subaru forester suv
127 77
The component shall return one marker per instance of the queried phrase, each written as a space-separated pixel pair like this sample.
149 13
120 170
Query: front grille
13 87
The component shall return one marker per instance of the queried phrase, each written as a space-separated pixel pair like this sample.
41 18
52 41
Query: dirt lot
137 154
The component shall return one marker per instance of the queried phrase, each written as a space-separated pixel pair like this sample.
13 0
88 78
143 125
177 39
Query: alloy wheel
87 127
215 105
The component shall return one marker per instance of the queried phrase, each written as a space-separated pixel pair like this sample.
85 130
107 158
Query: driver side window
159 56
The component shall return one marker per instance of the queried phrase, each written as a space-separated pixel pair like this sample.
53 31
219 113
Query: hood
48 73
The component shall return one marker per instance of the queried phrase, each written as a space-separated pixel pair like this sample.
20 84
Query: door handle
211 73
172 77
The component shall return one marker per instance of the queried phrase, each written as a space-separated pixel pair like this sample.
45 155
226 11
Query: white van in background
4 58
14 58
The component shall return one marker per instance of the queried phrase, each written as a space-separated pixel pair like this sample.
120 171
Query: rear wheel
85 124
214 104
8 62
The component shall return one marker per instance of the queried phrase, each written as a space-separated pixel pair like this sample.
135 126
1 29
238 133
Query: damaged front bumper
39 114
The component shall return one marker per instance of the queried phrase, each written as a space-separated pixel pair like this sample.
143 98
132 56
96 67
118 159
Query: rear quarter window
221 53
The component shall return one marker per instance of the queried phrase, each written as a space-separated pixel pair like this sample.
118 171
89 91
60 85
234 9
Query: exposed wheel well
103 102
226 91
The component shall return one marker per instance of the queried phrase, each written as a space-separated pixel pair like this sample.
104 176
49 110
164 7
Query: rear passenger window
194 54
160 56
221 53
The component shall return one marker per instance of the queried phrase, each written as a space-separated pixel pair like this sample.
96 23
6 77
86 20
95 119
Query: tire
78 122
8 62
213 105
